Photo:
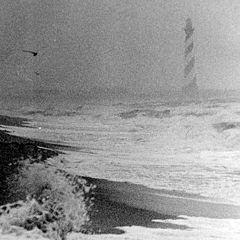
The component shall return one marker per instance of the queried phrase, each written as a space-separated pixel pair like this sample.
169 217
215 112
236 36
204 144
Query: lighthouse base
190 91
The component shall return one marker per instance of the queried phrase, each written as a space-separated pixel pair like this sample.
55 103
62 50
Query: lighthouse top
188 28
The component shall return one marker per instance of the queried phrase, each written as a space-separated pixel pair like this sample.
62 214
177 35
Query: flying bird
33 53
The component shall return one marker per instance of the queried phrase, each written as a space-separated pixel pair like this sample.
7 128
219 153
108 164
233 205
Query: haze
132 44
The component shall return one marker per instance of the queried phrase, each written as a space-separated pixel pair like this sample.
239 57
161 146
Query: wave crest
55 202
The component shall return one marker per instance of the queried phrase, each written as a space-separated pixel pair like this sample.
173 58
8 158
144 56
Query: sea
179 159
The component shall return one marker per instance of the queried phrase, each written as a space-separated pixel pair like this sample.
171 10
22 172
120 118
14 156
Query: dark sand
164 202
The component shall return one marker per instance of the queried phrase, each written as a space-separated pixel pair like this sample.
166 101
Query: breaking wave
199 114
223 126
48 200
144 112
52 111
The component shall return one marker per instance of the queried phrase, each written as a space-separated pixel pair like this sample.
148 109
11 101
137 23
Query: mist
135 45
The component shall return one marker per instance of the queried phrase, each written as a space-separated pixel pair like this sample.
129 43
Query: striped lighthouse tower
190 88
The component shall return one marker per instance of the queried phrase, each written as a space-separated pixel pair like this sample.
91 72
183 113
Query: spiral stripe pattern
189 71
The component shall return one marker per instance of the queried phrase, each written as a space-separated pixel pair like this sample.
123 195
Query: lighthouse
190 88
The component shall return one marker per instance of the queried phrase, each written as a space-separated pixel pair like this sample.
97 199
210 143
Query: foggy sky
137 44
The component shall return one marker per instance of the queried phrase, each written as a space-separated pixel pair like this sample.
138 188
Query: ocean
179 160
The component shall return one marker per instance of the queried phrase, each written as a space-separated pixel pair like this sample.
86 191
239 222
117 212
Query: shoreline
116 204
105 215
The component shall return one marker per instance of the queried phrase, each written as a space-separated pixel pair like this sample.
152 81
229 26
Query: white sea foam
54 202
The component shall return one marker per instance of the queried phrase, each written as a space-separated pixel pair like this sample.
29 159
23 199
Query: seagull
33 53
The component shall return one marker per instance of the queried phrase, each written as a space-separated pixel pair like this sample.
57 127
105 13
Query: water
180 148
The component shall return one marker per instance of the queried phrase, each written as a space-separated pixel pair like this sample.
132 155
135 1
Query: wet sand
164 202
